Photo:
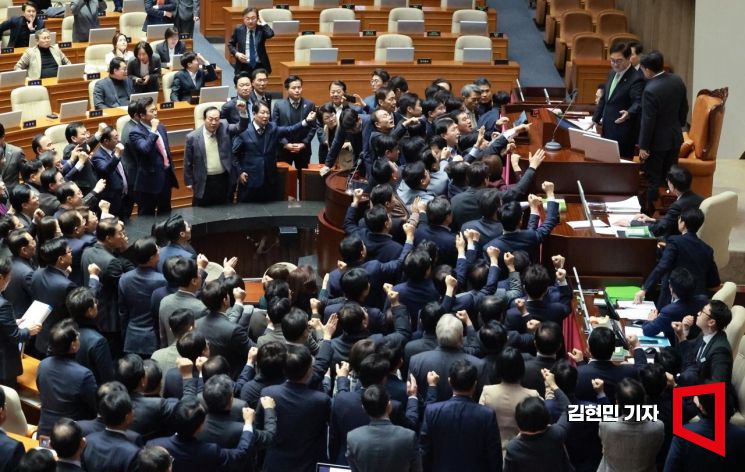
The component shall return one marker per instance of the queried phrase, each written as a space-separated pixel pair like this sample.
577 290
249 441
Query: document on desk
631 311
630 205
585 124
586 224
36 313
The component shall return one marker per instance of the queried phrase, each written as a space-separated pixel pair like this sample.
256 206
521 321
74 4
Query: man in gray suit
86 18
187 13
381 445
114 90
10 161
188 280
210 169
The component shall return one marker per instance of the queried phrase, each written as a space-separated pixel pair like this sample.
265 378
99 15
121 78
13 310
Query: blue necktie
252 52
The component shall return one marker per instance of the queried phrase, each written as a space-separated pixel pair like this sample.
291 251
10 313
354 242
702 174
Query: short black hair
270 360
375 401
129 371
255 73
720 313
413 174
191 345
429 315
462 375
602 343
384 143
536 280
215 365
187 58
653 60
79 301
294 324
653 379
620 47
66 438
512 214
218 393
511 365
29 168
548 338
114 65
354 283
351 317
438 209
153 375
61 337
679 177
373 369
489 203
398 83
477 173
143 249
629 392
299 361
683 283
381 193
184 271
411 148
350 248
417 264
277 309
693 218
565 375
531 415
180 321
52 250
406 101
376 218
153 458
493 337
213 295
292 78
37 460
17 240
68 221
188 417
382 171
114 408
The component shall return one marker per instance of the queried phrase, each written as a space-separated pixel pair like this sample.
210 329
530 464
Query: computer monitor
137 96
70 110
177 138
131 6
393 3
482 55
460 4
602 149
285 27
410 26
14 10
325 4
11 119
69 72
155 32
323 55
176 62
399 55
478 28
585 206
13 79
577 139
101 35
262 4
214 94
346 26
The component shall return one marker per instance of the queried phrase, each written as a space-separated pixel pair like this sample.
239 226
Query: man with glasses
619 107
248 43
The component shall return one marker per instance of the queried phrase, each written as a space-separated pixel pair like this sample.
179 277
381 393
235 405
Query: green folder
637 232
562 204
622 292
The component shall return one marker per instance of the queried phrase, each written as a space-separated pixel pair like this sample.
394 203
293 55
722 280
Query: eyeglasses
617 61
702 312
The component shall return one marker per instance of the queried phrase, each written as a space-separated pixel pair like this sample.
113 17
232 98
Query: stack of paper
37 313
631 311
630 205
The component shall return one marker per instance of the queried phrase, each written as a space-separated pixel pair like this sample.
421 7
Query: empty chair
726 294
303 45
467 15
67 23
610 22
4 4
199 112
95 57
121 122
57 134
738 379
558 7
168 85
720 212
584 45
572 22
91 86
469 41
270 15
736 328
328 16
32 101
397 14
596 6
130 24
389 40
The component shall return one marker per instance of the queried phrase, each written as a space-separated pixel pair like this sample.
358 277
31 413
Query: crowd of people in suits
437 343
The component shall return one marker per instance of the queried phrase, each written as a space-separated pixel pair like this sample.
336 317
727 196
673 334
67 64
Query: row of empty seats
610 23
448 4
329 15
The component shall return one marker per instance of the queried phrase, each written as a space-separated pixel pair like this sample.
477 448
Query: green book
637 232
622 292
561 201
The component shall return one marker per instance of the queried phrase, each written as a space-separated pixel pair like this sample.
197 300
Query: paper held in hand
36 313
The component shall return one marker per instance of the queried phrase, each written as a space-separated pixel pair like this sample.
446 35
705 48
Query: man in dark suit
396 448
66 388
548 340
375 233
458 433
128 159
302 417
68 442
107 162
22 27
111 240
113 91
98 424
295 148
664 113
158 13
18 292
94 350
679 184
192 77
436 228
687 251
539 305
226 338
111 449
148 142
209 165
256 148
248 43
707 358
244 93
621 103
11 451
10 161
192 455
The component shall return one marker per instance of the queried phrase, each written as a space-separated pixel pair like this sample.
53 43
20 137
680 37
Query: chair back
67 25
168 85
91 86
587 45
467 15
706 122
736 328
303 45
596 6
469 41
720 212
95 57
726 294
390 40
57 134
32 101
397 14
130 24
327 17
574 21
270 15
121 122
612 22
558 7
199 112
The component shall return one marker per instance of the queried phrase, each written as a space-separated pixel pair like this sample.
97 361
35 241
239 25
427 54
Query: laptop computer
601 149
131 6
14 10
11 119
76 109
325 4
176 62
70 72
13 79
286 26
323 55
177 138
155 32
410 26
32 39
482 55
479 28
101 35
399 55
460 4
214 94
137 96
393 3
346 27
577 139
585 207
260 4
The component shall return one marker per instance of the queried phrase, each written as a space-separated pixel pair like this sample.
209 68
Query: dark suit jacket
97 425
533 378
380 247
610 373
302 417
158 17
674 311
94 352
50 286
282 115
381 445
162 51
140 327
664 113
104 94
10 336
18 291
11 452
128 159
15 25
488 230
626 96
223 430
668 224
67 389
460 434
230 113
257 154
193 455
67 467
684 456
112 269
414 295
195 155
105 166
151 174
226 339
440 360
153 70
153 415
443 237
466 206
541 310
111 451
237 43
715 362
183 86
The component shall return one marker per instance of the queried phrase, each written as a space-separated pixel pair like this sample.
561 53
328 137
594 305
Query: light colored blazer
630 445
503 398
31 61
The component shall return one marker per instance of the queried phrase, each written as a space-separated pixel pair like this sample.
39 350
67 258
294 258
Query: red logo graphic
717 445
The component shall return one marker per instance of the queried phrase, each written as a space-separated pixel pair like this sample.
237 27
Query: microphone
545 94
351 176
520 89
554 145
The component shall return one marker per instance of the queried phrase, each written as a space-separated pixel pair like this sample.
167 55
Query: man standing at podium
621 101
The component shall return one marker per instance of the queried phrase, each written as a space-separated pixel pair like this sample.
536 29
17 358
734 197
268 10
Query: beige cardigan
31 60
503 398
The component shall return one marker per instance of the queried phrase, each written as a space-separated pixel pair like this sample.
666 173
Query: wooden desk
566 166
28 443
281 47
371 18
316 77
587 74
111 20
76 54
600 258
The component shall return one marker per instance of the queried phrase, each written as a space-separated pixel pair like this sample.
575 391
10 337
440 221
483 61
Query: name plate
501 62
308 33
424 60
95 113
369 33
94 76
433 34
166 105
482 8
184 36
29 124
65 44
34 82
348 6
494 34
347 61
418 6
7 50
102 13
282 6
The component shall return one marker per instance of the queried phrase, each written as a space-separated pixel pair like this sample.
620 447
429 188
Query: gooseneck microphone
554 145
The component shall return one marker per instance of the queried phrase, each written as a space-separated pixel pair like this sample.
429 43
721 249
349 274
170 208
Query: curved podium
331 220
